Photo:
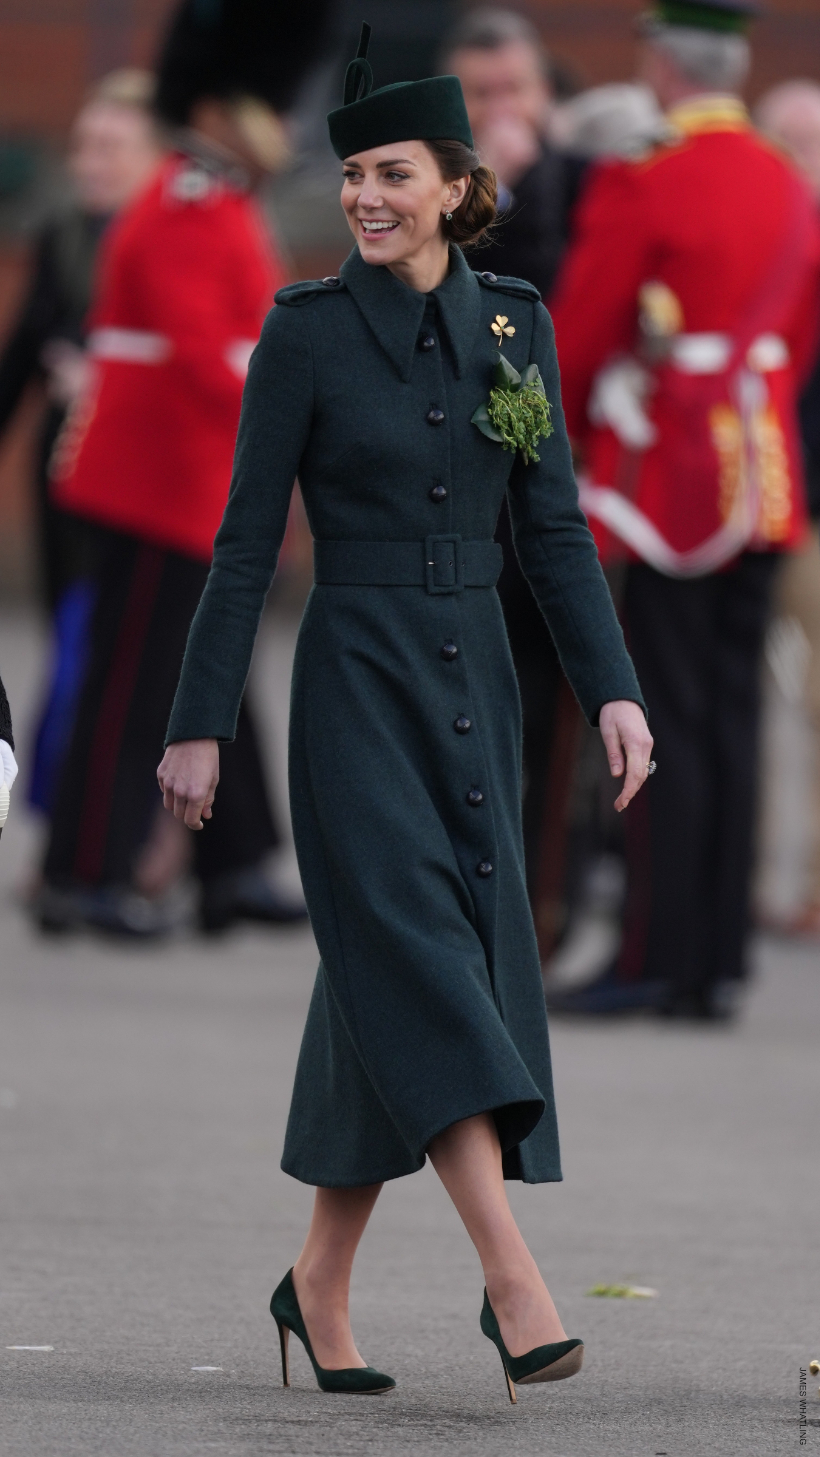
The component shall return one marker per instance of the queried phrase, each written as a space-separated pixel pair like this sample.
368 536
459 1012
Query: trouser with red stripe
109 796
697 648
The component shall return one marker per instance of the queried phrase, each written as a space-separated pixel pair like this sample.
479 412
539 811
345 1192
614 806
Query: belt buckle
443 565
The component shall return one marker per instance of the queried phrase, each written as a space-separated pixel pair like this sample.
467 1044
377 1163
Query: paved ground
145 1220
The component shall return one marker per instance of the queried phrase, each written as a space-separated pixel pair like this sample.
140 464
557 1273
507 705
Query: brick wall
50 49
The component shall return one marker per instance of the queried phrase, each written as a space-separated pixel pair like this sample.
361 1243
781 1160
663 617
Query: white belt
139 346
129 346
710 353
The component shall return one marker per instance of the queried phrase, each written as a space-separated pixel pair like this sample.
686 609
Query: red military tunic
721 229
187 276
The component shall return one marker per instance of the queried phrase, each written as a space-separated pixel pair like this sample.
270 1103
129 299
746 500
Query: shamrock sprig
517 414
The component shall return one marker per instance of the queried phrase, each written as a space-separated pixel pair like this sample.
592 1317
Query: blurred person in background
115 148
617 120
187 276
790 115
504 72
684 317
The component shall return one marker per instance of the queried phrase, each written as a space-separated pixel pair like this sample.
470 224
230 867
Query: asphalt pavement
144 1220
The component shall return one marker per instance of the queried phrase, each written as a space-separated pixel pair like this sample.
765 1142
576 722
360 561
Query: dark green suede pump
353 1380
544 1363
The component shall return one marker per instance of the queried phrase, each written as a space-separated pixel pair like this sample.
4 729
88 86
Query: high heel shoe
544 1363
354 1380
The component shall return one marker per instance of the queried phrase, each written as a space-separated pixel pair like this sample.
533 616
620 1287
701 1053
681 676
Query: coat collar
395 312
709 113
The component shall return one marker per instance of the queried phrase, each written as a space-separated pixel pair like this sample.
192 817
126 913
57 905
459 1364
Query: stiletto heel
553 1362
352 1380
283 1346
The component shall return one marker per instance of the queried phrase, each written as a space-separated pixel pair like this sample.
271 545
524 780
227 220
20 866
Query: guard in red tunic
187 277
685 315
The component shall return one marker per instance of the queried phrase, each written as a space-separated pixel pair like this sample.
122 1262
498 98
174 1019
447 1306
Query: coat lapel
394 312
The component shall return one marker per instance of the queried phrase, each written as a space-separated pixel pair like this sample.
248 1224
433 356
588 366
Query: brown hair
477 212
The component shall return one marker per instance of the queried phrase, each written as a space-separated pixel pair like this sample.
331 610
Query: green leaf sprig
517 414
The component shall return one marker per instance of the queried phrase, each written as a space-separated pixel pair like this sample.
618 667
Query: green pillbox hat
407 111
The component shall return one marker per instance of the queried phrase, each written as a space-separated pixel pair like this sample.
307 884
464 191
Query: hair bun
477 212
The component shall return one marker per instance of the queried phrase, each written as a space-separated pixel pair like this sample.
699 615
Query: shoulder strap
293 295
517 287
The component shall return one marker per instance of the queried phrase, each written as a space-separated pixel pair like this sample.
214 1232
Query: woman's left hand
628 744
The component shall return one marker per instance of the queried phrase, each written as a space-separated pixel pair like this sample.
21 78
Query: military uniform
187 275
684 316
405 746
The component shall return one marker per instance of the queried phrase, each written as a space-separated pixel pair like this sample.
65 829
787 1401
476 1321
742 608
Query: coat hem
414 1164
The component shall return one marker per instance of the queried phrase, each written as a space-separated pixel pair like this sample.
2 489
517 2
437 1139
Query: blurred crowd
675 238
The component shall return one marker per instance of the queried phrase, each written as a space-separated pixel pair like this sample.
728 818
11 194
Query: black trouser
108 794
696 646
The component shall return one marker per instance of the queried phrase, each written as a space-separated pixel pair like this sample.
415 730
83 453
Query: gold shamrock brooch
500 327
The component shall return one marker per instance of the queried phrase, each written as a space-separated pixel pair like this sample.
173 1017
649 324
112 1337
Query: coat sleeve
557 555
277 408
595 304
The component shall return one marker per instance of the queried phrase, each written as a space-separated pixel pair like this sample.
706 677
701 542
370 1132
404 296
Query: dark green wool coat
428 1006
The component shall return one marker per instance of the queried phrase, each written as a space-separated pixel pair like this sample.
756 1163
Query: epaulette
293 295
518 287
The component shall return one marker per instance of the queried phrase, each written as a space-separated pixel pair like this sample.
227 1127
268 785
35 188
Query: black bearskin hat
227 48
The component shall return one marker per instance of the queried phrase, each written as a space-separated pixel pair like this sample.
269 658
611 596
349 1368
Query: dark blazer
405 759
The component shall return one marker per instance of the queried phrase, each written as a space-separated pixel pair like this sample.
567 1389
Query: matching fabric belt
442 564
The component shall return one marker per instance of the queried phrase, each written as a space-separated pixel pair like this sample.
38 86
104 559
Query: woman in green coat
427 1031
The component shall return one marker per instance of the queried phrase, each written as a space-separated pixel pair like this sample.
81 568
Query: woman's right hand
188 776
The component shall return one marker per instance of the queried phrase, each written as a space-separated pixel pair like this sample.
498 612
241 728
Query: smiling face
394 198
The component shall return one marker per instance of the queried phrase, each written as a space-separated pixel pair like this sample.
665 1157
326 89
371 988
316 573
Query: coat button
331 282
449 651
427 342
438 493
475 798
484 868
435 416
489 278
462 725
